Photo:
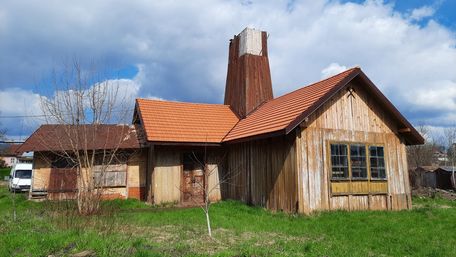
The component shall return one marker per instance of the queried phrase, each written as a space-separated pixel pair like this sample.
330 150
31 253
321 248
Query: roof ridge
298 89
323 80
179 102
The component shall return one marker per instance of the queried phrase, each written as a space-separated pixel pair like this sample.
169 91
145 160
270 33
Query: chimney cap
250 42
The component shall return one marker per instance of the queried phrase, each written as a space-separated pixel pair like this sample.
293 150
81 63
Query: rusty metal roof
92 137
167 121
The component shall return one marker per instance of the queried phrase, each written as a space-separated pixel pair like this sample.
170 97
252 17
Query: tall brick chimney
248 82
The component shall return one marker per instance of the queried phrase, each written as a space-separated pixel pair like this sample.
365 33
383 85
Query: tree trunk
209 230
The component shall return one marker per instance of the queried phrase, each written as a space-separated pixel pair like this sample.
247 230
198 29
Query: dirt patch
434 192
195 239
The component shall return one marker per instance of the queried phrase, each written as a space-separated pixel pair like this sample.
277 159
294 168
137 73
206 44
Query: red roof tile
280 112
166 121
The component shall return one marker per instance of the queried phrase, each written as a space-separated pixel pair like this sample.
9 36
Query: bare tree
211 166
421 155
450 140
83 100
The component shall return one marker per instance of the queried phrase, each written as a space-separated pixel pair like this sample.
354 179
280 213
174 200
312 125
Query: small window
339 161
358 161
377 162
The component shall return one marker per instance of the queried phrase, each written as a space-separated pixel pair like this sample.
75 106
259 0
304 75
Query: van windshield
23 174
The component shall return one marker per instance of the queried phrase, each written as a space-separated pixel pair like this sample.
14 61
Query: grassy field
4 172
135 229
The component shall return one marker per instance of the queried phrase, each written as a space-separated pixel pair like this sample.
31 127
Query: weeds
132 228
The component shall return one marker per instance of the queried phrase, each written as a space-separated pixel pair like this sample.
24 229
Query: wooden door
193 187
62 183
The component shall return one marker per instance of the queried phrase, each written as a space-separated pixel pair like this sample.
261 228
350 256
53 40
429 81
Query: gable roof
11 151
278 114
93 137
166 121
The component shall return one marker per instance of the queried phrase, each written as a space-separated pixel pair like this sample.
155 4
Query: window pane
377 162
339 161
358 161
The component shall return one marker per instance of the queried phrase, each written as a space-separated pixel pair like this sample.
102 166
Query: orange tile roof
166 121
280 112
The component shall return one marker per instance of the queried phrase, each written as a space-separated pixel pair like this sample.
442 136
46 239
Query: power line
43 115
24 116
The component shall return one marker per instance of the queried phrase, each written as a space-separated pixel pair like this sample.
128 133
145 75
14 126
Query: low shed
55 177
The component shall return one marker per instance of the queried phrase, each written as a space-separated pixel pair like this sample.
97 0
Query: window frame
348 163
368 161
384 163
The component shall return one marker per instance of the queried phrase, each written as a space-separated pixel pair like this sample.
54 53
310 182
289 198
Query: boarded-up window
62 180
339 161
110 175
358 161
377 162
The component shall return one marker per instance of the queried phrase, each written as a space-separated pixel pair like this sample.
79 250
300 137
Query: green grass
4 172
136 229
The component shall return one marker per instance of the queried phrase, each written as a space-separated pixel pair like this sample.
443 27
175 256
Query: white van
20 177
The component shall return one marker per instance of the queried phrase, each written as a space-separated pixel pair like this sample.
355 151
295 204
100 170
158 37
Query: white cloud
181 51
18 102
332 69
421 13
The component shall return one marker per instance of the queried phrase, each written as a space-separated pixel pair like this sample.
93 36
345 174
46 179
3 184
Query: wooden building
335 144
54 177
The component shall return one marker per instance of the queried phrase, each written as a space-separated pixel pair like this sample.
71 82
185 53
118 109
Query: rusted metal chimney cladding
248 82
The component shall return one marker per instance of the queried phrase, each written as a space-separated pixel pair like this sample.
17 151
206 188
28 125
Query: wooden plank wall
41 172
264 173
167 176
350 116
167 173
136 181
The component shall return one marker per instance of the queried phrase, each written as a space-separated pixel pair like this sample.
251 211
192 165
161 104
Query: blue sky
176 51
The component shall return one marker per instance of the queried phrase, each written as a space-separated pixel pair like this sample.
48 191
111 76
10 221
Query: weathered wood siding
59 184
263 172
41 172
136 175
166 177
168 172
350 116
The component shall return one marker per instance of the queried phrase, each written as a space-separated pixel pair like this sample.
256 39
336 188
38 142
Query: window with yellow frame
356 161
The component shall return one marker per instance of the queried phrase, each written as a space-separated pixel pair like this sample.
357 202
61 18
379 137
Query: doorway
193 180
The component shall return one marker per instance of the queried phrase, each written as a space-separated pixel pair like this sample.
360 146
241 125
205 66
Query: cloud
182 51
19 102
421 13
332 69
22 109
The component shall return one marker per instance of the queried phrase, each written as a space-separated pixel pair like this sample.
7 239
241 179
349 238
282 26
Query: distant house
335 144
10 155
432 176
423 177
54 177
443 176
